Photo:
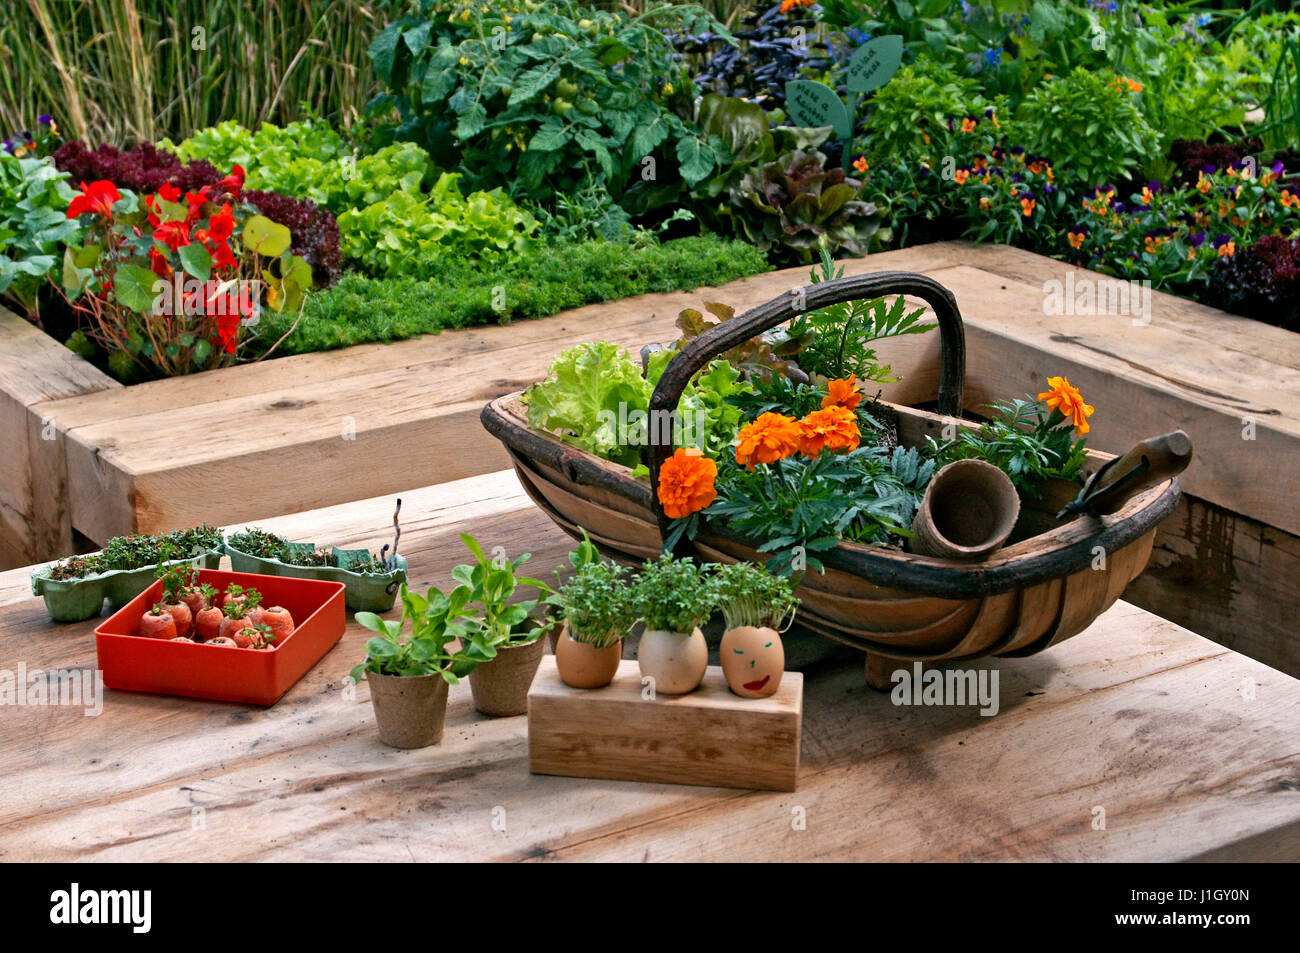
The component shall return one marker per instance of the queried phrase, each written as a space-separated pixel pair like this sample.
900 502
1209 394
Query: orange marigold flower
686 482
770 438
831 428
1067 399
843 393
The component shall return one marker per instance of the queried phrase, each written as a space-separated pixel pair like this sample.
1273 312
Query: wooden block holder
707 737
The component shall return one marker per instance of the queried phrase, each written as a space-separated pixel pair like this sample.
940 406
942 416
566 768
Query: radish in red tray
261 636
237 612
158 623
176 580
198 598
222 641
234 593
276 618
207 624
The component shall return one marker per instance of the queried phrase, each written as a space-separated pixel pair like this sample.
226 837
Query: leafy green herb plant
748 595
497 622
418 643
838 337
673 595
598 607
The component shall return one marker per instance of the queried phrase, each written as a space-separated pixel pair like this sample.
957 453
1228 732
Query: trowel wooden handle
1148 464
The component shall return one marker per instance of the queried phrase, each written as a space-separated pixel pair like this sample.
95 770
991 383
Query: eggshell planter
753 660
410 710
363 591
500 687
583 665
675 661
75 600
131 662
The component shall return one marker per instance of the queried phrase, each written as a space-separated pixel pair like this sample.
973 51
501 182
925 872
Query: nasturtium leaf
265 237
133 287
196 261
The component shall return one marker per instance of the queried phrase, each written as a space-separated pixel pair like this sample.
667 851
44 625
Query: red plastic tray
135 663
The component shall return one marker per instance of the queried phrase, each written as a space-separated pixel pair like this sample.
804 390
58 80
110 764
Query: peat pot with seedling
507 636
410 662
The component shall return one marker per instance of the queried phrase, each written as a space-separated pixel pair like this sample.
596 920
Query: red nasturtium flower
172 234
96 198
686 482
770 438
843 393
831 428
233 182
1067 399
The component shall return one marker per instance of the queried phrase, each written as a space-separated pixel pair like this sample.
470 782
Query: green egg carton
363 591
76 600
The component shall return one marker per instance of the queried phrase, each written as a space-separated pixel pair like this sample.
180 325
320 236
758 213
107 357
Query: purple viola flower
1049 188
1220 241
1017 150
1154 187
1119 207
9 145
1198 239
45 119
1276 167
1209 168
1017 177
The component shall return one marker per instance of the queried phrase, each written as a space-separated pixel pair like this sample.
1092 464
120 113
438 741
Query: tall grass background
122 71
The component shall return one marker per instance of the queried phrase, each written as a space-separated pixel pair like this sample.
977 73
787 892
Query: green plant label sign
875 63
815 104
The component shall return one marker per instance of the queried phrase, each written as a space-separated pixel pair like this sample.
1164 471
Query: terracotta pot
675 661
410 710
969 510
500 687
583 665
753 660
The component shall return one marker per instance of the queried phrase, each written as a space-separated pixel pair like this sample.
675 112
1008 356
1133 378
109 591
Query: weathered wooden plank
34 368
1228 577
707 737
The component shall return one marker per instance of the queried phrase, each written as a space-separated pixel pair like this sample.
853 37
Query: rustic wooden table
1189 749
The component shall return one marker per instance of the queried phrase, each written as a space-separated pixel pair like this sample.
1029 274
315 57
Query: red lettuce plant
1261 281
143 168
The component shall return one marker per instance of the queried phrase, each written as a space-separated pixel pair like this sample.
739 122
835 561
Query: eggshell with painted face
753 660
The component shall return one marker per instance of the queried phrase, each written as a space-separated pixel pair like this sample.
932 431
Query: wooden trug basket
1040 589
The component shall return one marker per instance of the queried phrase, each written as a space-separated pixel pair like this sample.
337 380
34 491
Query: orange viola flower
770 438
860 164
1027 206
686 482
1067 399
843 393
831 428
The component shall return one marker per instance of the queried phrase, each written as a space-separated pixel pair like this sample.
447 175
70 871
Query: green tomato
589 106
561 106
566 88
